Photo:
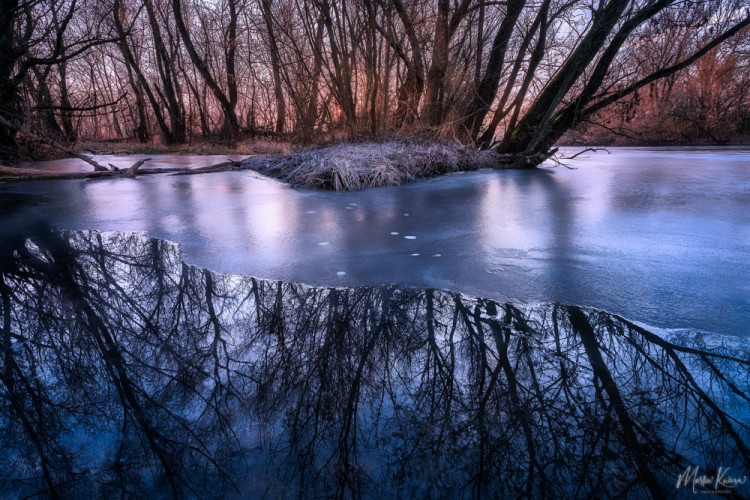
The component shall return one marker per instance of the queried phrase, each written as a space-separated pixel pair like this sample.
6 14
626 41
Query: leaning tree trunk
129 57
45 104
531 135
66 117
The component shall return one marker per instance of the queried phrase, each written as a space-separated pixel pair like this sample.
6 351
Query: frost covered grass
357 166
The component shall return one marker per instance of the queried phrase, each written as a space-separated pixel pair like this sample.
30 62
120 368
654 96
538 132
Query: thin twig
558 160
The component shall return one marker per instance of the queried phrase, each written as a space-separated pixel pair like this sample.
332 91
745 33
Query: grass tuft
357 166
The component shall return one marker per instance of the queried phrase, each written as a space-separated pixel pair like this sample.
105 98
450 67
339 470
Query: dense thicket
709 102
515 75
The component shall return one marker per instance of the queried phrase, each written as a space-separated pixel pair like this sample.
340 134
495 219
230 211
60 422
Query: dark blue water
659 235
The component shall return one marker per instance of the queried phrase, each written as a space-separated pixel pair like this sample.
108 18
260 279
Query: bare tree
273 48
231 127
24 44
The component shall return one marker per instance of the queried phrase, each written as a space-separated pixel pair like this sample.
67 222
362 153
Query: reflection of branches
194 379
30 405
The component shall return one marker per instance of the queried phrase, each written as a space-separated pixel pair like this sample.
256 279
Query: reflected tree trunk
198 379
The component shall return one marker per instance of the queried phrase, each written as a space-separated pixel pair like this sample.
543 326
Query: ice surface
661 235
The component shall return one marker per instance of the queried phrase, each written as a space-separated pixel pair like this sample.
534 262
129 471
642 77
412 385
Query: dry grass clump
357 166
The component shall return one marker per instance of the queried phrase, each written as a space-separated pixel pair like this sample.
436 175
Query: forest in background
707 103
516 76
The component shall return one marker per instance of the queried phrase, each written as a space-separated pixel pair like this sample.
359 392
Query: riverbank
354 166
346 166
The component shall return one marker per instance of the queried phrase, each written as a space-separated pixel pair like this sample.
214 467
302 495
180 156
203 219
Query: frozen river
660 235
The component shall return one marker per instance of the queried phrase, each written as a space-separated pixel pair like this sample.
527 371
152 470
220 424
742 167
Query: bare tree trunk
310 116
114 113
94 113
66 117
200 104
231 50
410 92
167 74
231 129
371 66
275 66
119 18
45 104
141 127
487 88
529 135
340 58
436 95
432 114
386 64
9 97
540 23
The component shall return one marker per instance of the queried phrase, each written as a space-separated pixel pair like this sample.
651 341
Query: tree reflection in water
124 370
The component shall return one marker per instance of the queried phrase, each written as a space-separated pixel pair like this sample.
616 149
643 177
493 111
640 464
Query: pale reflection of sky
500 225
662 236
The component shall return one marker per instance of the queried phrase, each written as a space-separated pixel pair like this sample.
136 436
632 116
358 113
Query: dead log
133 171
25 174
28 174
98 167
225 166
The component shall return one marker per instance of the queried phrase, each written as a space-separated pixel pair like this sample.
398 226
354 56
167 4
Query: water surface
660 235
126 370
